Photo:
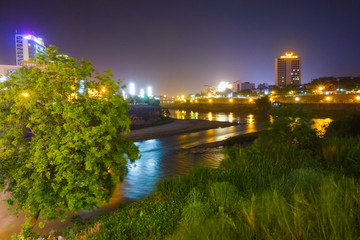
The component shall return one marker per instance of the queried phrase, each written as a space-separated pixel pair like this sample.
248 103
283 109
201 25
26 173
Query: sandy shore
174 128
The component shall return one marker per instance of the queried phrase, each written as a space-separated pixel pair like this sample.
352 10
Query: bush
347 127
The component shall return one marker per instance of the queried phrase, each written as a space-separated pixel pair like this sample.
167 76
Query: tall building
287 70
236 86
27 46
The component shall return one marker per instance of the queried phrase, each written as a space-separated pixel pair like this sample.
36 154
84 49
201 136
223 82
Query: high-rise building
27 46
287 70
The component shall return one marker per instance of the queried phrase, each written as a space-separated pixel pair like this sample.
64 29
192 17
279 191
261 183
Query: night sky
179 46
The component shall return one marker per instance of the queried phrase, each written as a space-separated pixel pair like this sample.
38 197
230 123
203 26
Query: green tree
291 125
263 104
77 152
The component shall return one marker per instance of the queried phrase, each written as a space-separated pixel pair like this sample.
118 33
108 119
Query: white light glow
142 92
3 78
223 86
149 91
132 89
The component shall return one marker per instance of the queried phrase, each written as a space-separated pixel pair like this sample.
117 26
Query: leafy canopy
62 148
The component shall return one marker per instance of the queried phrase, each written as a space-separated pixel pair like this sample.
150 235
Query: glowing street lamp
25 94
297 99
210 100
251 100
328 98
230 100
358 98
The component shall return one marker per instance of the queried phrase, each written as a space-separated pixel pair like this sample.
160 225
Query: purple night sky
179 46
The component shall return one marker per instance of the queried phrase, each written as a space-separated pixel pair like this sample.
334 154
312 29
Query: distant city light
142 92
357 97
297 99
223 86
149 91
123 94
132 89
251 100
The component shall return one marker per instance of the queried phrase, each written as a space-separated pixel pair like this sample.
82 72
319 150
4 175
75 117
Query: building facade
7 70
287 70
247 86
27 46
236 86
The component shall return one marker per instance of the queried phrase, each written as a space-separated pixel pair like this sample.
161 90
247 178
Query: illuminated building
27 46
287 70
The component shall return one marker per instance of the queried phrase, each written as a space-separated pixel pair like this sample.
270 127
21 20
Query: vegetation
62 146
280 187
263 104
145 99
283 189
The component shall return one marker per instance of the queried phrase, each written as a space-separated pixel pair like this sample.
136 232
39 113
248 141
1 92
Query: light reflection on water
210 116
320 124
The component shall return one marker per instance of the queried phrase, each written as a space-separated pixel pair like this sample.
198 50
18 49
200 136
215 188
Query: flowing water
160 158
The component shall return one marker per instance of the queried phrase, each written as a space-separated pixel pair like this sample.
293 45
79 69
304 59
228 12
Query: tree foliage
263 104
77 152
291 125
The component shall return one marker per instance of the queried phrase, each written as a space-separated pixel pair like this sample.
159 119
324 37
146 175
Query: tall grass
342 154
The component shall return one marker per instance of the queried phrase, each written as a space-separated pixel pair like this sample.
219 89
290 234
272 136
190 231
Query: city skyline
179 47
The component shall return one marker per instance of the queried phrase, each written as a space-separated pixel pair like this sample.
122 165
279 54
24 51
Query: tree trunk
34 219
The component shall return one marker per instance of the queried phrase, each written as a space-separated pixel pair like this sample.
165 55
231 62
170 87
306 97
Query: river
160 158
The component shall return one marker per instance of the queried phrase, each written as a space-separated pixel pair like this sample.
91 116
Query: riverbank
176 127
274 190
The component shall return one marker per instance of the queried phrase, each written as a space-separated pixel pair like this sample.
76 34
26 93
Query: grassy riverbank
289 184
